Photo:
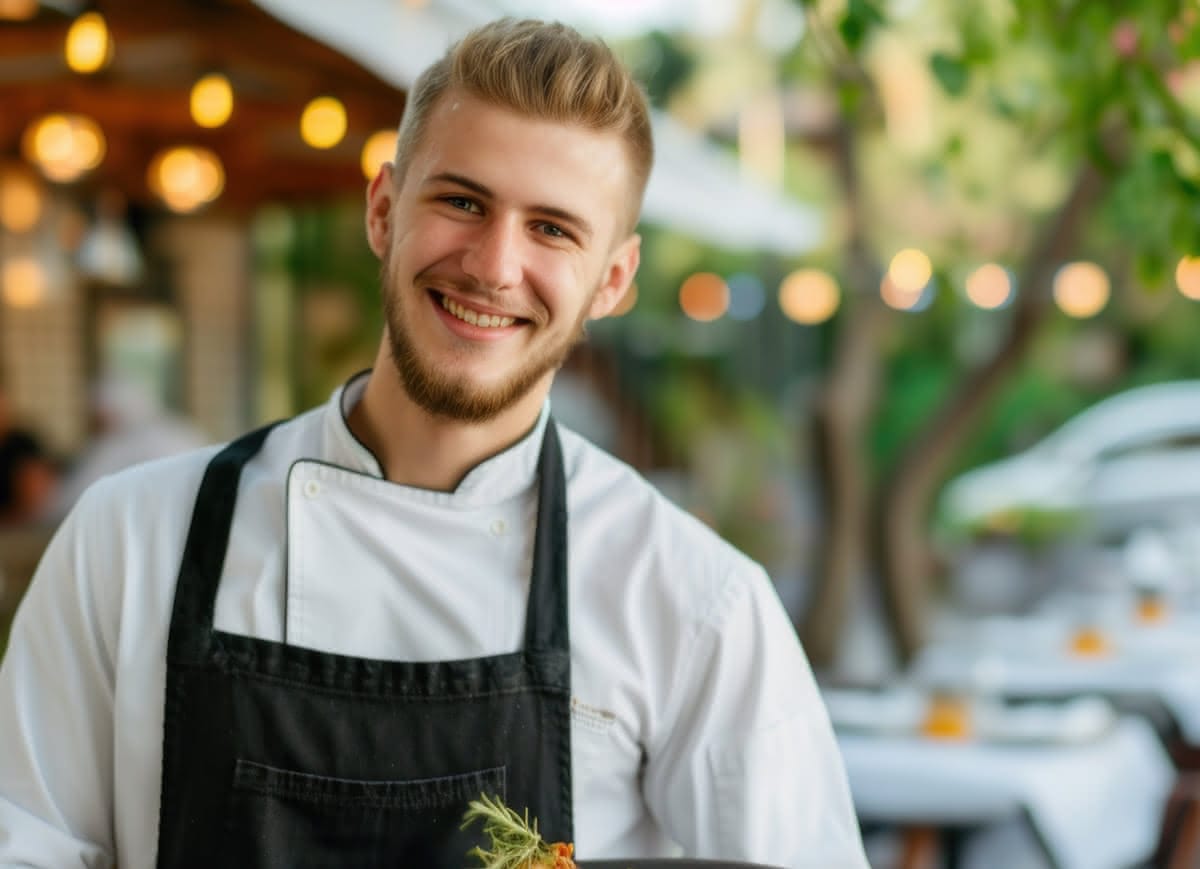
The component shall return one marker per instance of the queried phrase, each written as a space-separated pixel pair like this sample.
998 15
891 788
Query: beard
440 391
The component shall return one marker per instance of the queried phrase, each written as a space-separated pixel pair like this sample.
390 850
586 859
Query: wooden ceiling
140 100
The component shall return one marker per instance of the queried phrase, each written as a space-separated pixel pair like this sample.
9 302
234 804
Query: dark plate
673 863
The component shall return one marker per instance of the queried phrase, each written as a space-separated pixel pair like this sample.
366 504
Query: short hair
543 70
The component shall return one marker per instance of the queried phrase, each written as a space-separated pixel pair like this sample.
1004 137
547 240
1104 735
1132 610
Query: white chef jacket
696 722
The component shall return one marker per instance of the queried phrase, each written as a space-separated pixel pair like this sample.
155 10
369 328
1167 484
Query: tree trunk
840 416
900 545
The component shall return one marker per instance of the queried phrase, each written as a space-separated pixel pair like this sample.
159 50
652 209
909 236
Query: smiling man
315 645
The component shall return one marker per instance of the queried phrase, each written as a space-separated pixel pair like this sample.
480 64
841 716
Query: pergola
140 99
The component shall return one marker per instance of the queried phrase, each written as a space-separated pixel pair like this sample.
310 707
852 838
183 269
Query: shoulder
620 518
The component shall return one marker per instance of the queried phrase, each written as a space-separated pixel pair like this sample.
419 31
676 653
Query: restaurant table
1089 797
1140 666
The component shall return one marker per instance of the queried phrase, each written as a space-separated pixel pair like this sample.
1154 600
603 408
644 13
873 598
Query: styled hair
543 70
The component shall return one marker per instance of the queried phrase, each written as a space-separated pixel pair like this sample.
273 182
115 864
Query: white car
1132 457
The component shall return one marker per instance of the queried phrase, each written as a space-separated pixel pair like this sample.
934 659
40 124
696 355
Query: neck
417 448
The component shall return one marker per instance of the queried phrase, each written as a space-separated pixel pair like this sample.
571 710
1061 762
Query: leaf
861 17
952 74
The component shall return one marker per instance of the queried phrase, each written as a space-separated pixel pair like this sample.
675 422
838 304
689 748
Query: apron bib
276 755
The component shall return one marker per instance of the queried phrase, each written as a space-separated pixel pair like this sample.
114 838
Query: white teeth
486 321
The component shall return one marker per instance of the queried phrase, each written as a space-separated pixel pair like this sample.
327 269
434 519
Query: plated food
516 843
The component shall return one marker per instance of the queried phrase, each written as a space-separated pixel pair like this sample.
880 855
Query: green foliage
950 72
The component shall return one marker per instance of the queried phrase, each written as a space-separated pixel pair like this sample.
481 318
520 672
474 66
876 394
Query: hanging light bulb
323 123
109 252
379 149
21 200
64 147
89 46
18 10
212 100
186 178
23 282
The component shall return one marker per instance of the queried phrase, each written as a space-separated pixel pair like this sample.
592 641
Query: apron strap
204 552
546 616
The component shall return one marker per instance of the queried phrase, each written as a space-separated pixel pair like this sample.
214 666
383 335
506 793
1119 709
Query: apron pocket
280 817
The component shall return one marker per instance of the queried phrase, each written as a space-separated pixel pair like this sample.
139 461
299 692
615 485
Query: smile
475 318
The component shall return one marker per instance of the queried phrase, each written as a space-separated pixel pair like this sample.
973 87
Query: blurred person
129 425
315 645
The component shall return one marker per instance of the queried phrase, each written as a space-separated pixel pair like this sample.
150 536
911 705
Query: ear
381 193
621 268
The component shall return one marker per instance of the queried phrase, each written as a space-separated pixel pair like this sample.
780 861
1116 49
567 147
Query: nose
493 257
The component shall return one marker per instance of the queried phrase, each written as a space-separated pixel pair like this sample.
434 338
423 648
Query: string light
64 147
910 270
89 46
323 123
21 201
989 286
24 282
704 296
379 149
185 178
1187 277
1081 289
211 100
809 296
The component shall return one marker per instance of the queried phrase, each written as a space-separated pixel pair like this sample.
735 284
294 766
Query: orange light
1187 277
211 100
379 149
809 296
323 123
989 286
186 178
89 46
704 296
24 282
1081 289
21 200
910 270
894 297
18 10
64 147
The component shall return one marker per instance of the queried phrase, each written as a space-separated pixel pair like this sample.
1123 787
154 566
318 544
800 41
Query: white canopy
695 187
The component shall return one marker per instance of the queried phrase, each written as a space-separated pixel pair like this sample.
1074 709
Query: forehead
525 160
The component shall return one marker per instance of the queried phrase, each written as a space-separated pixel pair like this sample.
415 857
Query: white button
312 489
499 526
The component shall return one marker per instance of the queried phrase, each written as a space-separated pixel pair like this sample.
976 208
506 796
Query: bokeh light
1187 277
186 178
704 296
379 149
89 45
899 299
323 123
212 100
24 282
809 296
989 286
1081 289
64 147
910 270
18 10
21 200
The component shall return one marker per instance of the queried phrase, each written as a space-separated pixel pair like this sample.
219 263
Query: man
426 590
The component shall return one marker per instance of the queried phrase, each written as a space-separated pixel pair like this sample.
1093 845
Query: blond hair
542 70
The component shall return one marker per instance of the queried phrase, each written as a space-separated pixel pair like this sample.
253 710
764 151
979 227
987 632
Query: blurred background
915 328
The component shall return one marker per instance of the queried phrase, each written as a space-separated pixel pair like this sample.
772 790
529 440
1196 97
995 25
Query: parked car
1130 459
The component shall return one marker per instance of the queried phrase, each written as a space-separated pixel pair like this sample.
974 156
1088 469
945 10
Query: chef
314 645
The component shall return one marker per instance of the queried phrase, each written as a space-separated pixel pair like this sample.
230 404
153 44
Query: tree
1096 93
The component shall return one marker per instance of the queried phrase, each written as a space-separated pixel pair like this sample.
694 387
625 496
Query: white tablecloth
1094 804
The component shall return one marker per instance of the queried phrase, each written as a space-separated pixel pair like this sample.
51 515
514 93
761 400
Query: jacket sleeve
749 768
56 704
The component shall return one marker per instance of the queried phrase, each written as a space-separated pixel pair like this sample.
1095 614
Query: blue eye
553 231
461 203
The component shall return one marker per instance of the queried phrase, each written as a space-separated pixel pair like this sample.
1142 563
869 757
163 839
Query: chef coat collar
504 475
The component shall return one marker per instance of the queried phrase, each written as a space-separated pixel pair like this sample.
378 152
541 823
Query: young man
315 646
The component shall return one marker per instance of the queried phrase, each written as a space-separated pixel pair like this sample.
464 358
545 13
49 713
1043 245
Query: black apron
276 755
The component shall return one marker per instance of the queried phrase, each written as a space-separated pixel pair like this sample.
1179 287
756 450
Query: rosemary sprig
516 843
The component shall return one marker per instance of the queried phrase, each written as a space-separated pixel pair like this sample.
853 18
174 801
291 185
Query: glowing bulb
212 100
809 296
64 146
379 149
18 10
704 296
1081 289
186 178
989 286
24 282
89 46
21 201
323 123
895 297
1187 276
910 270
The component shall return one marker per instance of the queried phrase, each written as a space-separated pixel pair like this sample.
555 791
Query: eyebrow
483 190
